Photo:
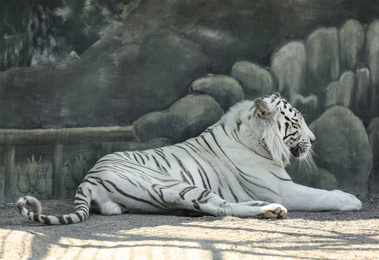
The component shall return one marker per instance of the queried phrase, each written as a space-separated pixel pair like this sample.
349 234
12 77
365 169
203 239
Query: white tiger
235 167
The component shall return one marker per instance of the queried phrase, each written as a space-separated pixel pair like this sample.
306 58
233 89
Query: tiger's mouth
300 151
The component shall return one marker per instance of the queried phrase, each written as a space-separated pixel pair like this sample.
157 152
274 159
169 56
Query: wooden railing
50 163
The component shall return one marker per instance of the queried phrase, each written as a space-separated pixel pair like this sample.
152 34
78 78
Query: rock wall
171 68
98 61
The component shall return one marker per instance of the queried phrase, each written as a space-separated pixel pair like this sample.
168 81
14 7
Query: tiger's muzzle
301 150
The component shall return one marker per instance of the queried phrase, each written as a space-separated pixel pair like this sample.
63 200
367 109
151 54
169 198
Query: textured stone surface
186 118
300 101
226 90
341 92
372 48
323 59
256 81
114 83
351 39
363 84
289 67
343 148
362 106
372 52
373 134
308 105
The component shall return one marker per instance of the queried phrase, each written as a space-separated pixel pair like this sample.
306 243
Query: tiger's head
293 131
273 128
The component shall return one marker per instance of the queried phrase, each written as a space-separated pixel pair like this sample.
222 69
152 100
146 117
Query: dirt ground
301 235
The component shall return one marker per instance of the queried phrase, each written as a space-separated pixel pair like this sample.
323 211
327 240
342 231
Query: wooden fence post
57 171
10 179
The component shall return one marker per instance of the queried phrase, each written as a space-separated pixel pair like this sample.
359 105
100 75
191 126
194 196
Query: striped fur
235 167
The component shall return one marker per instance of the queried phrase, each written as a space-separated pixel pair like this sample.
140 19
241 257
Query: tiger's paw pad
274 211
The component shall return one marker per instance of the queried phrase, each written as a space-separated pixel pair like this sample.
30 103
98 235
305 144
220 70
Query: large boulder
226 90
363 84
323 60
343 148
372 53
373 133
308 105
372 49
289 68
188 117
362 95
256 81
351 38
341 92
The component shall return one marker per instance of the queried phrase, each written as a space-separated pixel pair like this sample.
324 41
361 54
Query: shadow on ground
302 235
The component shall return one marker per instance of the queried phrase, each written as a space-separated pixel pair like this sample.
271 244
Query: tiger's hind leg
197 199
102 202
111 208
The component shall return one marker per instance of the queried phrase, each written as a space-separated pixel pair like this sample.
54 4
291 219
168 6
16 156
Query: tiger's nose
312 140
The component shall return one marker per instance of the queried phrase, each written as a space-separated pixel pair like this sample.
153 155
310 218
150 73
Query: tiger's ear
277 94
261 107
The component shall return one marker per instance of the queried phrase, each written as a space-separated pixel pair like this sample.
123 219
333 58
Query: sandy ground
301 235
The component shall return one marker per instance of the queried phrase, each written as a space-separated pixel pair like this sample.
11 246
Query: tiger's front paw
347 201
274 211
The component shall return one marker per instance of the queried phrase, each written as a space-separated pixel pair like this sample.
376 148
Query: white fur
264 127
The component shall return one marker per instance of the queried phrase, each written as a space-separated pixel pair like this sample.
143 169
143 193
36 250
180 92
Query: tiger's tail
82 205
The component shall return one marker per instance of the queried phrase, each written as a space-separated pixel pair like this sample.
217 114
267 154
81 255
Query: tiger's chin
300 152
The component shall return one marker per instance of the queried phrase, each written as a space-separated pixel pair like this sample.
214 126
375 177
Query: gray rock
256 81
316 177
372 39
373 134
343 148
362 95
323 59
308 105
289 66
186 118
372 53
301 101
363 84
226 90
352 37
341 92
